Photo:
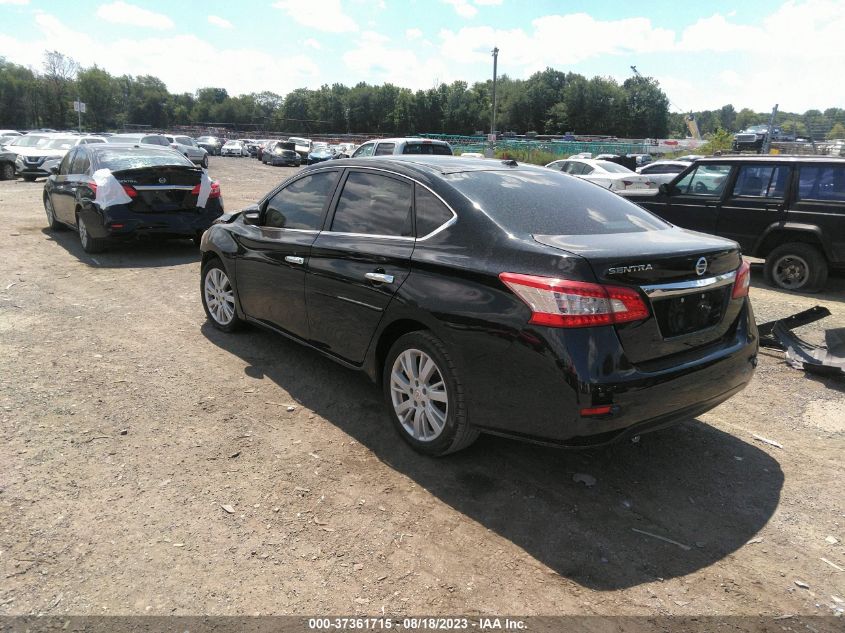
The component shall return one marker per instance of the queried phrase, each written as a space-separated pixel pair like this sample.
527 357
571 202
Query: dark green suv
789 210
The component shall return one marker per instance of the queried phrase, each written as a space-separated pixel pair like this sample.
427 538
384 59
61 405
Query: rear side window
385 149
373 204
822 182
545 202
300 205
431 212
80 163
64 167
427 148
761 181
704 180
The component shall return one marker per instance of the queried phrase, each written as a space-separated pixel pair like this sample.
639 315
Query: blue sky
752 53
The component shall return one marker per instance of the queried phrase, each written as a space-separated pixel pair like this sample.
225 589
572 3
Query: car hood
38 151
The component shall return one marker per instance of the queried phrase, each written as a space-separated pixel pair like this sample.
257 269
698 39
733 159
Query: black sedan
490 297
110 192
281 153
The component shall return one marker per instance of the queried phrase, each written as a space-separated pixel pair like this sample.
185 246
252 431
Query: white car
37 154
234 148
661 171
604 173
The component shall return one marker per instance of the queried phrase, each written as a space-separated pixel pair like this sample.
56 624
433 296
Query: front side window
761 181
300 205
821 182
373 204
364 150
704 180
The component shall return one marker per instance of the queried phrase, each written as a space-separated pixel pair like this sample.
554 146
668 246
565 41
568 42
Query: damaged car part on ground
828 360
154 191
431 274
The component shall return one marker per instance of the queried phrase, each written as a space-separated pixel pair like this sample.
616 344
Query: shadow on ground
141 253
706 489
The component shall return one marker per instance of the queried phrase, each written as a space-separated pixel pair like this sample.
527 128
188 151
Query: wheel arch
780 233
385 340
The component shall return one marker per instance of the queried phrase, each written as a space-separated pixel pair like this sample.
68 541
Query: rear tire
796 266
52 222
89 244
204 162
219 297
424 395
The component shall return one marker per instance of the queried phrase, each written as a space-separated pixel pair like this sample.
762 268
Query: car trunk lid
162 189
685 277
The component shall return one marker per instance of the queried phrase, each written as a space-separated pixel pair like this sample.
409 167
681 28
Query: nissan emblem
701 266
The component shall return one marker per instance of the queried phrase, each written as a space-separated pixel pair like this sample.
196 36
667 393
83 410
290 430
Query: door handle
380 278
290 259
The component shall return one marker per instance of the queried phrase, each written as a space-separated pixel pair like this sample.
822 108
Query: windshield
232 143
299 141
60 143
550 203
117 160
123 139
30 141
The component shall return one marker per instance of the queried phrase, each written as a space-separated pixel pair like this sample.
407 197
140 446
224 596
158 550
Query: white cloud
173 59
375 60
312 43
413 34
124 13
17 2
463 8
223 23
483 3
325 15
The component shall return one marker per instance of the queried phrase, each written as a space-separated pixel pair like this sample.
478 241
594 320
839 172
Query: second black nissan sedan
154 191
490 297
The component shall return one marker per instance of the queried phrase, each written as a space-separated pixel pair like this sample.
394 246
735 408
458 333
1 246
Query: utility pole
767 142
493 114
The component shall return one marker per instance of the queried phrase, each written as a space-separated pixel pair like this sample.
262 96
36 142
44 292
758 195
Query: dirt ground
128 423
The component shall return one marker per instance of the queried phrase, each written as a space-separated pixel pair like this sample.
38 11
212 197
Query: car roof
776 158
108 147
431 164
407 139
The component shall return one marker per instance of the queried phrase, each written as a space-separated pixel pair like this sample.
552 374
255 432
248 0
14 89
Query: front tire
796 266
218 297
424 394
204 162
29 178
7 171
89 244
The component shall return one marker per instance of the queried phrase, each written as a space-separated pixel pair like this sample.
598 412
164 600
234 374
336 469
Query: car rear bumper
562 372
119 223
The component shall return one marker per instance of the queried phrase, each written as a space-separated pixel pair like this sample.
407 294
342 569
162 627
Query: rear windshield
117 160
427 148
551 203
123 139
613 168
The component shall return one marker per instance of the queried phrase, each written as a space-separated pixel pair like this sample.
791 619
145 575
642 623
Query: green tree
837 131
99 92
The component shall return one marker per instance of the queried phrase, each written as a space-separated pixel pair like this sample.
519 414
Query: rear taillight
565 303
215 190
627 183
130 191
742 281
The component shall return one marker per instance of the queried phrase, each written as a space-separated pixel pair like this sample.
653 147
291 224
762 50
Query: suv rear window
822 182
550 203
427 148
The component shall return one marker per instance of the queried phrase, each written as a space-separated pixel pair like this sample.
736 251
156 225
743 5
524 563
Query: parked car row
431 273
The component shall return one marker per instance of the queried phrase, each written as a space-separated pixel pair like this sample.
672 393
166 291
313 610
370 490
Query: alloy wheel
219 296
418 394
791 272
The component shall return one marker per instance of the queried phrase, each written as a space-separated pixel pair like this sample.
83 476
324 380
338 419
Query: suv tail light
215 190
565 303
742 281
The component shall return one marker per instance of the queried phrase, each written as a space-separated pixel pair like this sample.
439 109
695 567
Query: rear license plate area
693 312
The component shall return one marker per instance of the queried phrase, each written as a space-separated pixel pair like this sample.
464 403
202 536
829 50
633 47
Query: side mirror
252 215
54 169
665 189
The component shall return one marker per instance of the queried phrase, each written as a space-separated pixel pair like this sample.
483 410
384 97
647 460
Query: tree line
548 102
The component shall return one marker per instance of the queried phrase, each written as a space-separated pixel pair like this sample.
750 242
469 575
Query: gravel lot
128 423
